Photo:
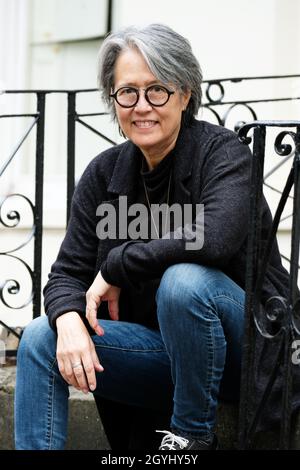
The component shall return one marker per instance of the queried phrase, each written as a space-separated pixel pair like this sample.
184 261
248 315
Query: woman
171 306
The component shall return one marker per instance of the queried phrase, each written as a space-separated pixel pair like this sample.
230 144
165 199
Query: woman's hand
76 355
100 290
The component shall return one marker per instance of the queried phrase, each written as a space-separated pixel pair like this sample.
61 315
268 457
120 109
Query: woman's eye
128 91
157 89
124 91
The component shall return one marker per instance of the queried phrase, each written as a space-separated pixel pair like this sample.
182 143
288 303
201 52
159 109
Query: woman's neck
154 158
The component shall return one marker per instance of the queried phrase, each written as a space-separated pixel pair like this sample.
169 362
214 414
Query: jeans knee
185 283
178 282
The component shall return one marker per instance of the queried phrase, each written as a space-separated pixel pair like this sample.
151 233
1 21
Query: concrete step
86 431
85 428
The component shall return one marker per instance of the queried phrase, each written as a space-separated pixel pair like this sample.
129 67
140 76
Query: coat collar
126 170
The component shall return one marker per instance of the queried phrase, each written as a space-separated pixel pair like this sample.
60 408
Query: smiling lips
144 124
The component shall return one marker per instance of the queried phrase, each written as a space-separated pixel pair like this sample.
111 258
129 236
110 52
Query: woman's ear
185 99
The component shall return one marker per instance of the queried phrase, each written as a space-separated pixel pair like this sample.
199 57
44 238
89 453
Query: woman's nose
142 104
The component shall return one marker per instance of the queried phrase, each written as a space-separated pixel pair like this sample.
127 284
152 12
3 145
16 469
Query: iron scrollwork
11 220
14 218
215 92
12 286
208 92
282 149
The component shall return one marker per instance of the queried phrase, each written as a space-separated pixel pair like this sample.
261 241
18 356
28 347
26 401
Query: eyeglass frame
137 90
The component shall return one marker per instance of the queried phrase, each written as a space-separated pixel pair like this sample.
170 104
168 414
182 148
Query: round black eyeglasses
155 95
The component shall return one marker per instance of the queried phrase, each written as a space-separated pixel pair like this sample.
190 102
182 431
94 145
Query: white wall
230 38
14 37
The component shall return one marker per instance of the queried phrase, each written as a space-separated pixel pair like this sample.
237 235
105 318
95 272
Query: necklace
149 205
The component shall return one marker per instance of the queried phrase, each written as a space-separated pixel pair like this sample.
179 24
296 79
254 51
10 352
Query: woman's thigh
136 366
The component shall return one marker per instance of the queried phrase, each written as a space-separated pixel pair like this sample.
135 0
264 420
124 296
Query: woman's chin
144 141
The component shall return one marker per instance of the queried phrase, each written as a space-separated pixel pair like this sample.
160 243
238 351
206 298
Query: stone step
86 431
85 428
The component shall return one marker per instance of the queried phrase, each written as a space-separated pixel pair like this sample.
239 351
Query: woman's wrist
64 317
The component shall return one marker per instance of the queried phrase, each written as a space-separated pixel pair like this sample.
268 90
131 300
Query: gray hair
168 55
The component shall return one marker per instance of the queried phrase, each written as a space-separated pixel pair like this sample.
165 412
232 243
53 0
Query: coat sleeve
73 271
225 194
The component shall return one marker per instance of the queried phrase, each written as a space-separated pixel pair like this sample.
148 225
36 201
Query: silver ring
76 364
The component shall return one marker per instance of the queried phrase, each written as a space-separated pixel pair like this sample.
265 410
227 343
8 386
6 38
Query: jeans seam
53 363
49 426
49 434
236 302
209 382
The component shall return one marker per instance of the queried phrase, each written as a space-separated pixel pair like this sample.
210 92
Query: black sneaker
173 441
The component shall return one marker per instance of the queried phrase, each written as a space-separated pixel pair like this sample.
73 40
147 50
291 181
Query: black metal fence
219 105
280 319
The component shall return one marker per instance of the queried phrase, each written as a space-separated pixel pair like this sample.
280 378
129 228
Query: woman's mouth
144 124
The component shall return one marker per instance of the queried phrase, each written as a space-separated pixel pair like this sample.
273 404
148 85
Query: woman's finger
79 374
66 372
113 308
97 365
89 370
92 306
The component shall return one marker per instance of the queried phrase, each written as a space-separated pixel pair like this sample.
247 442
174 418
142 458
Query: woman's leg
200 313
137 369
41 395
136 366
134 395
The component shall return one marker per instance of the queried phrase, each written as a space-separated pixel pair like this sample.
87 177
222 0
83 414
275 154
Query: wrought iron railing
279 320
219 105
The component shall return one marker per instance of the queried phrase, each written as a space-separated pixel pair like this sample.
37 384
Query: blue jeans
200 312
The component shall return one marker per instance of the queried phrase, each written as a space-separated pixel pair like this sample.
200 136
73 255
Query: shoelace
170 439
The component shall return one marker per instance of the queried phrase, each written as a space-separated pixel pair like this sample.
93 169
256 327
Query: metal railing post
38 210
71 149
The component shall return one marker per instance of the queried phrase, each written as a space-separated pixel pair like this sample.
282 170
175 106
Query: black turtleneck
158 186
157 179
157 183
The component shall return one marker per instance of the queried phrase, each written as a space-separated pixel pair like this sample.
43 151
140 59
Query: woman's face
153 129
